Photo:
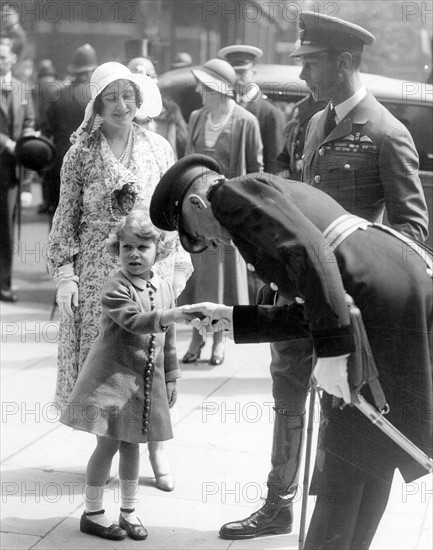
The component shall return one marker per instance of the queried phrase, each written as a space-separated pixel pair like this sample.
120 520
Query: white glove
210 317
67 289
67 296
208 309
330 374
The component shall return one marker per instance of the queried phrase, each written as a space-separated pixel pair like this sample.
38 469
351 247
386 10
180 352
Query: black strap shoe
91 528
134 531
271 519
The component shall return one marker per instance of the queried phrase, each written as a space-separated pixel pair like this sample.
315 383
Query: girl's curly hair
138 223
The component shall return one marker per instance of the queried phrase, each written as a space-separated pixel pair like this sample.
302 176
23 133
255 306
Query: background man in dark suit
16 119
64 113
273 222
271 120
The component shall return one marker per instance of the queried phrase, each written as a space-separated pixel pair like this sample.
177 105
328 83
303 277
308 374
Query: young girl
128 382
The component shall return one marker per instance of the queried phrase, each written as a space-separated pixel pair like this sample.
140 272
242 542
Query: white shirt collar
344 108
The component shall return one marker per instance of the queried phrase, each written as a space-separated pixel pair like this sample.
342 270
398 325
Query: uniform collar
344 108
141 284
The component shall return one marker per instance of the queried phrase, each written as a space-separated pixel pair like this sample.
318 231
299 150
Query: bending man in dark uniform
304 243
365 159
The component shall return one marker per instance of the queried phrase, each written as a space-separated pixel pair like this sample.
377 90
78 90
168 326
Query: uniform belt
345 225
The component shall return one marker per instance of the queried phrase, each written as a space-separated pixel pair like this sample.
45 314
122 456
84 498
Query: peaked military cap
166 204
241 56
320 32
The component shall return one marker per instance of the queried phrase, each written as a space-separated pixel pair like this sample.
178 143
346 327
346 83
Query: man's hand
330 374
171 393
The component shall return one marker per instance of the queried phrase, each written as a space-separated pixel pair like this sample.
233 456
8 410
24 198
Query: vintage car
410 102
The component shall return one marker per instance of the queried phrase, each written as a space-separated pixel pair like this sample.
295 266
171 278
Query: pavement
220 454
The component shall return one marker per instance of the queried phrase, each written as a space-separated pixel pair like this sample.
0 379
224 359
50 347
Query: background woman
231 135
112 168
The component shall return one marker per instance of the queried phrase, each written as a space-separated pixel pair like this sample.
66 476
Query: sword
378 419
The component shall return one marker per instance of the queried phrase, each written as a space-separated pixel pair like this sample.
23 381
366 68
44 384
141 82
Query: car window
418 119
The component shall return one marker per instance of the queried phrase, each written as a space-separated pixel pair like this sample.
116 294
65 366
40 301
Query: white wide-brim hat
109 72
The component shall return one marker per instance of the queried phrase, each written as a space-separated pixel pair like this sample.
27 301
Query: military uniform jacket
284 247
271 129
113 393
277 225
368 163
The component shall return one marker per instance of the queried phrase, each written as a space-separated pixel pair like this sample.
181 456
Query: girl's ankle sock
93 497
128 499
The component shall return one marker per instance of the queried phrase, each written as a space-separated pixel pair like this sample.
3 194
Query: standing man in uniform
367 163
16 119
276 225
64 113
248 95
355 149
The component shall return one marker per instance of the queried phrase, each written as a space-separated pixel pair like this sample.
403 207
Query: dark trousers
8 203
348 508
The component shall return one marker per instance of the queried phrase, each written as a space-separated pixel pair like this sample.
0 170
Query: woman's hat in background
217 75
35 152
109 72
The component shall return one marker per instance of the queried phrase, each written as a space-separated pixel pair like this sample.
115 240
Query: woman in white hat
231 135
112 167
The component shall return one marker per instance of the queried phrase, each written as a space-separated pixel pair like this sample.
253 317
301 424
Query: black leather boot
286 459
276 515
273 518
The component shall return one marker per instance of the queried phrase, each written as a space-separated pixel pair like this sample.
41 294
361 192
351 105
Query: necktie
330 121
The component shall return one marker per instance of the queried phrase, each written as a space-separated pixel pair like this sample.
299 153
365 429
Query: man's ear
197 202
345 61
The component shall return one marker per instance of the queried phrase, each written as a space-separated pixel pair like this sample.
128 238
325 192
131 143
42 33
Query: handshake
208 317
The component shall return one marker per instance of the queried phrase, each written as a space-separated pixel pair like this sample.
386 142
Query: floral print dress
96 190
